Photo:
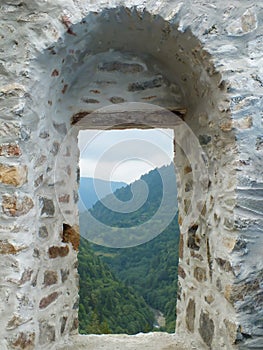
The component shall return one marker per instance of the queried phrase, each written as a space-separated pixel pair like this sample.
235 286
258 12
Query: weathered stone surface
121 67
64 275
61 128
116 99
63 324
193 240
204 210
43 232
55 148
150 84
16 205
13 175
44 134
24 299
13 89
187 170
71 235
204 139
26 276
196 255
206 328
47 207
36 253
179 290
219 284
9 129
189 186
68 170
55 73
8 248
64 198
47 333
24 341
40 161
10 150
76 304
75 325
56 251
141 341
230 243
190 315
77 117
15 322
209 299
232 330
181 246
226 126
187 204
246 24
181 272
46 301
39 180
259 143
90 100
149 98
238 292
75 196
35 280
224 264
61 63
249 21
245 123
180 220
25 133
50 278
200 274
64 90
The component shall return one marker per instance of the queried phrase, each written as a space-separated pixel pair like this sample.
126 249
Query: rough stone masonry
62 60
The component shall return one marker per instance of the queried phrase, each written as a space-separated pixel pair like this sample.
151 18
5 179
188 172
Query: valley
139 282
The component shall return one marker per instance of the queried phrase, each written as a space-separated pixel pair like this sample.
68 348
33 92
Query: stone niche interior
118 56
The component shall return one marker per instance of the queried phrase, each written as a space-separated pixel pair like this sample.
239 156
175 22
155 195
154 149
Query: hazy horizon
124 155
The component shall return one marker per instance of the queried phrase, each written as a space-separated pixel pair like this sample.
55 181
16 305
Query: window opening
127 286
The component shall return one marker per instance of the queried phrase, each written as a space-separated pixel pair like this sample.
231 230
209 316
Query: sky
123 155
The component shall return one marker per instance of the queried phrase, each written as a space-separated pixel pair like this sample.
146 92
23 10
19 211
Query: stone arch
128 41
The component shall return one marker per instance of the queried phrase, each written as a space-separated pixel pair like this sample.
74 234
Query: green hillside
106 304
150 269
108 227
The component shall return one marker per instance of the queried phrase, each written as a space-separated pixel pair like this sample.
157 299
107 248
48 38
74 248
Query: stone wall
61 61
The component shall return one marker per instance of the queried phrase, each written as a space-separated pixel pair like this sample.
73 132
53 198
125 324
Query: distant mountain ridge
92 190
157 209
150 269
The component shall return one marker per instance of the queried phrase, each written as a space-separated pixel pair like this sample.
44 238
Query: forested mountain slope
91 190
106 304
149 268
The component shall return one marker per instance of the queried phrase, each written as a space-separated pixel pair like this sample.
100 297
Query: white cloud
124 155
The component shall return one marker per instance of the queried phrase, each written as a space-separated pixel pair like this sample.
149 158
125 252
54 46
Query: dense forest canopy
145 275
107 305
